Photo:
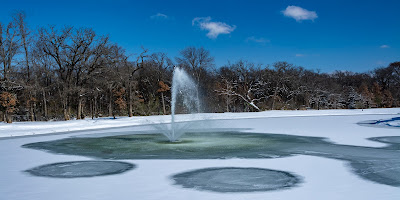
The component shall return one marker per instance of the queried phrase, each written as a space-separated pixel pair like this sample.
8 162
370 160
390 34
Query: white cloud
214 28
159 16
257 40
299 13
384 46
300 55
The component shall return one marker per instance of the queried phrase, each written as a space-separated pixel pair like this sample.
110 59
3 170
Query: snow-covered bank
35 128
323 178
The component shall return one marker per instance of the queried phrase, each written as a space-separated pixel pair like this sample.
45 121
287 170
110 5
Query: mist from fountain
184 92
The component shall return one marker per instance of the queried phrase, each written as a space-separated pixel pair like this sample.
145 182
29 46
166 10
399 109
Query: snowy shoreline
37 128
323 178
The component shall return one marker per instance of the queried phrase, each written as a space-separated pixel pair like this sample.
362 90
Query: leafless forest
62 72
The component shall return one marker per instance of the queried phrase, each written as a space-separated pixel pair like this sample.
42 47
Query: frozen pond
311 157
381 165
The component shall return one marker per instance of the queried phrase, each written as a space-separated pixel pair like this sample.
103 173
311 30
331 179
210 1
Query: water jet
184 92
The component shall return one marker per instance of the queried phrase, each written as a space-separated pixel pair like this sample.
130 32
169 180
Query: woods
60 73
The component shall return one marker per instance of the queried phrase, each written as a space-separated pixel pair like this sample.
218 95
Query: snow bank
35 128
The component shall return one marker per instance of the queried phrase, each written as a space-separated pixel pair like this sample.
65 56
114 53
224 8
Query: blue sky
327 35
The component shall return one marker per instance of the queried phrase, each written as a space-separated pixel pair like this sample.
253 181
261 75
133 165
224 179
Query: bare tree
9 46
19 18
281 69
197 60
77 54
244 81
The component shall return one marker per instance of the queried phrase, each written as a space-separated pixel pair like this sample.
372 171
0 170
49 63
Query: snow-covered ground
394 123
323 178
35 128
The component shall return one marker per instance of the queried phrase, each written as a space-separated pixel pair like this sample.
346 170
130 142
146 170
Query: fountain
184 90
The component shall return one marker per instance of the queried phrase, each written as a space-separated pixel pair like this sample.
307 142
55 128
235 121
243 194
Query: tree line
60 73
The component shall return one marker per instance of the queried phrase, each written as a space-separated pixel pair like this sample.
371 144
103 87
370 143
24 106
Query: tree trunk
95 108
163 103
34 111
31 110
5 71
227 103
44 104
91 106
66 116
66 109
130 98
110 111
8 117
273 99
83 111
130 109
26 56
79 112
228 88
